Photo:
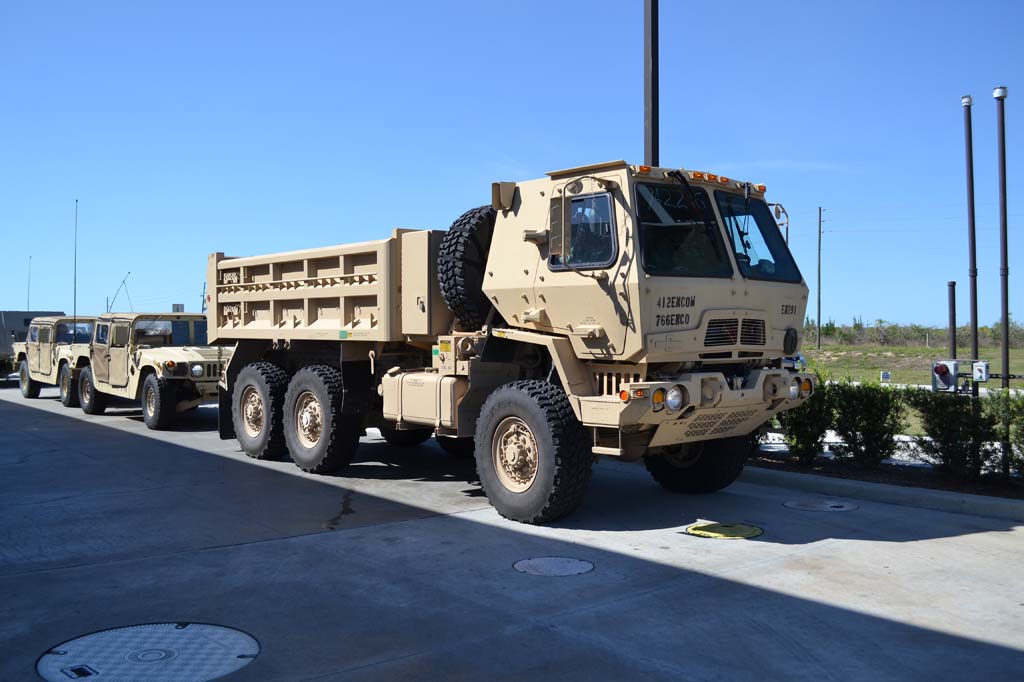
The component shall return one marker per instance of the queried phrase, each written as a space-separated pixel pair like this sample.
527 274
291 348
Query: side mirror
560 234
778 211
503 195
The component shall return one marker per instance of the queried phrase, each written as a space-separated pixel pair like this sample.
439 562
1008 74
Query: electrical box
944 375
885 376
980 368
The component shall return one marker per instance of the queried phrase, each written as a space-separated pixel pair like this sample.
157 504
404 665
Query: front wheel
68 388
531 452
159 402
703 467
29 387
320 437
92 401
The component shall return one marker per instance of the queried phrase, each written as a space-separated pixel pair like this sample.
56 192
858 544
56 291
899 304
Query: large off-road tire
406 438
68 386
321 438
461 263
460 448
29 386
91 400
700 467
256 410
531 452
159 402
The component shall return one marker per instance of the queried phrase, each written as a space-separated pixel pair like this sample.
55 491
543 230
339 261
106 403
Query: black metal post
952 320
651 123
972 252
818 321
1004 268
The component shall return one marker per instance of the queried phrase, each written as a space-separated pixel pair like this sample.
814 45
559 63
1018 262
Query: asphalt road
399 569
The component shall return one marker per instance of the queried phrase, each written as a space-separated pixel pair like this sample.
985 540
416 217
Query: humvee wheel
91 400
461 261
404 439
320 437
159 402
256 410
699 467
29 387
532 455
68 389
461 448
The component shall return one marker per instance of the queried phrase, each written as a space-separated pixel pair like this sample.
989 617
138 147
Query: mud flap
225 426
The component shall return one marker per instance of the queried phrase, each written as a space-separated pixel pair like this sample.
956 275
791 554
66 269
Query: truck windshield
678 239
158 333
78 332
761 252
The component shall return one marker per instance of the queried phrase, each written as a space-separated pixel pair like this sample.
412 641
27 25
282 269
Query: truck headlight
675 398
806 388
794 389
197 370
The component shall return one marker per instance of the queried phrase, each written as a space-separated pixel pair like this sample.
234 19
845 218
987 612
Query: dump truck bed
380 291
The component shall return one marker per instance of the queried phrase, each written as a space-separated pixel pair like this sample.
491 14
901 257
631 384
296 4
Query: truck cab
53 353
160 360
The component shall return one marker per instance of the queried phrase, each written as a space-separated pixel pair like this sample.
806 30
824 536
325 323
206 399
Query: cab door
118 369
45 349
99 353
32 348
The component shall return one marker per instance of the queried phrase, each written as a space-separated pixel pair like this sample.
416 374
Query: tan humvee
159 359
636 312
53 354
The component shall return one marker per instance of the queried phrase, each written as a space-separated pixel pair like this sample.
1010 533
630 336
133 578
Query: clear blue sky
191 127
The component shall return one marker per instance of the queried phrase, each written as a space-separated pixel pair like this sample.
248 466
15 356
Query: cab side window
44 335
33 334
593 234
102 333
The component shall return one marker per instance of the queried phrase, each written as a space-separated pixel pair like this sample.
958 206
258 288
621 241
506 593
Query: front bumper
714 408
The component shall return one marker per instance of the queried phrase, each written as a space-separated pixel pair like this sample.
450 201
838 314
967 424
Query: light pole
972 254
999 94
820 209
651 142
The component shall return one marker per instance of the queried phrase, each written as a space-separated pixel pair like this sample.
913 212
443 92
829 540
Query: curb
924 498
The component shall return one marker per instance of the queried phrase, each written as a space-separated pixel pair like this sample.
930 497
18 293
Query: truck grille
609 383
752 333
721 332
724 332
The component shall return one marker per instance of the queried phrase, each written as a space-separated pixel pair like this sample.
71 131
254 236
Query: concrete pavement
400 570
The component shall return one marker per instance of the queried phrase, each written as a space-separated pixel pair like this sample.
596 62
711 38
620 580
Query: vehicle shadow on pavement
104 527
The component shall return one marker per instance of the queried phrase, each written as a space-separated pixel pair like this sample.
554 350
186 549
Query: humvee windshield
74 332
761 252
157 333
678 239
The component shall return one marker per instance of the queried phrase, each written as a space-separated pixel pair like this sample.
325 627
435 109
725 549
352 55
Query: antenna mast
74 295
124 286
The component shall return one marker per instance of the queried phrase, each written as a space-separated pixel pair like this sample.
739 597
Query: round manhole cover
157 652
723 531
553 566
820 505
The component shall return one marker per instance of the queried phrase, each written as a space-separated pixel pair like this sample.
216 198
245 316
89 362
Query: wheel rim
65 383
86 391
515 454
23 375
252 411
150 401
683 456
308 420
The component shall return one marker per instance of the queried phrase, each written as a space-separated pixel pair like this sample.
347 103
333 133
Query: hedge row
962 434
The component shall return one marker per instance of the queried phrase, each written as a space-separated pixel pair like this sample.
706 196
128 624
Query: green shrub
1005 407
959 431
806 424
867 419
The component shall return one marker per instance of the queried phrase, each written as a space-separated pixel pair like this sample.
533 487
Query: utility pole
74 296
28 296
820 209
972 254
1004 267
651 123
952 320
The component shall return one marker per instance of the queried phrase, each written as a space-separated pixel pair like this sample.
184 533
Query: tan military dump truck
618 310
53 353
159 359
